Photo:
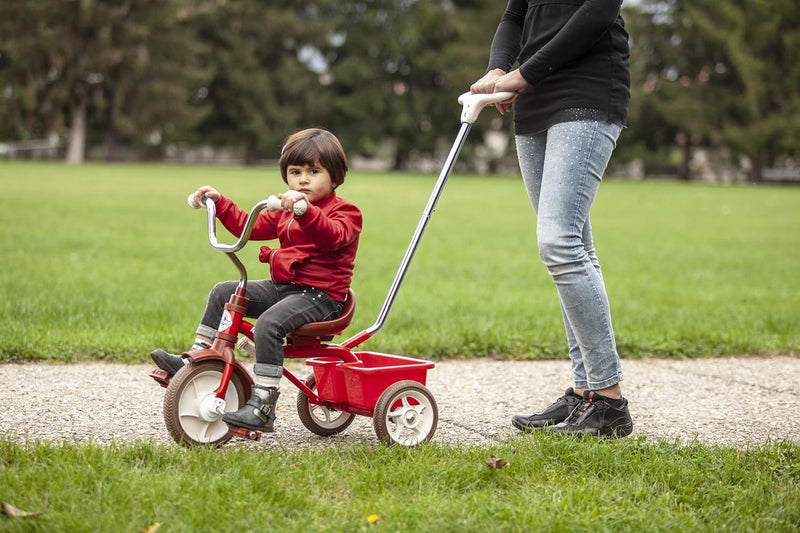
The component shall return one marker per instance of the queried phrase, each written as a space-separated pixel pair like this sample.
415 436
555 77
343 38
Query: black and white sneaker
553 414
172 363
167 361
597 415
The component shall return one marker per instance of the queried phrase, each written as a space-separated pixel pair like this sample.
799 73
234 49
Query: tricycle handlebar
272 204
211 208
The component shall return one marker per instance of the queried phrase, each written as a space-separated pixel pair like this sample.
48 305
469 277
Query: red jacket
317 249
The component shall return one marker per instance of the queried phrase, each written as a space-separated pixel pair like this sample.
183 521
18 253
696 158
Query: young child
310 271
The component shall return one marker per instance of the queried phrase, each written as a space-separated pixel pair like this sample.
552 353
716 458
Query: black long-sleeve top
573 54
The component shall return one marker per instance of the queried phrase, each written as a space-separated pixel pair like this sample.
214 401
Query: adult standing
572 92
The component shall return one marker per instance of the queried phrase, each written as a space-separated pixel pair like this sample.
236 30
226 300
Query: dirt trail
729 401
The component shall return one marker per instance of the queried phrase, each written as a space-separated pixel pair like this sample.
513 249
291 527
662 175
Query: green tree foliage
264 84
397 66
383 74
466 60
760 42
670 75
156 91
716 74
67 62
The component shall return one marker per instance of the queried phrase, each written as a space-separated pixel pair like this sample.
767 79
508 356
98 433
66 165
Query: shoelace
583 408
579 411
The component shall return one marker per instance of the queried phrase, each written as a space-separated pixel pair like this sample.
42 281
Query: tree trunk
110 144
250 153
685 172
400 159
757 172
77 135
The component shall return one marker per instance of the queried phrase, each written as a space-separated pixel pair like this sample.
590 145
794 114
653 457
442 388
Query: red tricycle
344 383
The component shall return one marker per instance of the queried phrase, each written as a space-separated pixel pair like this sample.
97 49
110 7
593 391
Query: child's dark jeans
278 309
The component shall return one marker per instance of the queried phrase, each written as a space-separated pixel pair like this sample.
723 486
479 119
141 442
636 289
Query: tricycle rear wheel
189 404
320 420
405 414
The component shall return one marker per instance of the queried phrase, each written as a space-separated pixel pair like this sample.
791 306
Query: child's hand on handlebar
208 192
196 198
290 197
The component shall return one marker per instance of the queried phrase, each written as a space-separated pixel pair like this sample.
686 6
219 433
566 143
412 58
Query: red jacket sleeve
234 218
340 228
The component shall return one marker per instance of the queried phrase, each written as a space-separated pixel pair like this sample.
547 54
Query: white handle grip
474 104
191 202
273 204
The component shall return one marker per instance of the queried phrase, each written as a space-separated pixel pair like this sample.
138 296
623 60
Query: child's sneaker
598 415
171 363
258 413
168 362
553 414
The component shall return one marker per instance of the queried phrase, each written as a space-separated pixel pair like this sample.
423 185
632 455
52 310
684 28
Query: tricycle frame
399 382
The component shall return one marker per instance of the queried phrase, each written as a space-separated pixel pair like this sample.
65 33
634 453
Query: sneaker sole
616 432
619 431
264 429
525 428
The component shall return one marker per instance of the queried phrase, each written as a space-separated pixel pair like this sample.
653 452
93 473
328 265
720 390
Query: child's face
312 180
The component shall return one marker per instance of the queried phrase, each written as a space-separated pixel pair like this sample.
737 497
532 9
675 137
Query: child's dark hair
315 146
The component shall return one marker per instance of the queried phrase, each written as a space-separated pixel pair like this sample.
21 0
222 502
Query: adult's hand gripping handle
473 104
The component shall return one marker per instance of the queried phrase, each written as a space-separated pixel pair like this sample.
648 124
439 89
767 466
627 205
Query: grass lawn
551 484
108 262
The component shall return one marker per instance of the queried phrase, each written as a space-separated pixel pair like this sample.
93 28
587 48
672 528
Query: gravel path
726 401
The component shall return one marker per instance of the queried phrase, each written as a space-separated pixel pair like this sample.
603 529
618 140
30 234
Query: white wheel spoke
196 414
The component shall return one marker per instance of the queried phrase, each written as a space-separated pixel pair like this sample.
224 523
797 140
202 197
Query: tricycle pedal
161 377
244 433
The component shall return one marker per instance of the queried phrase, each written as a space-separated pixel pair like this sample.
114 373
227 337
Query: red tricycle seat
327 330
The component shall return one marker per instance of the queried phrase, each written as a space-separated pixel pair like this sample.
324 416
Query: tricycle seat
327 330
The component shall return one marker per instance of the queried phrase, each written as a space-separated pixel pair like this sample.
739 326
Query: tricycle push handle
473 104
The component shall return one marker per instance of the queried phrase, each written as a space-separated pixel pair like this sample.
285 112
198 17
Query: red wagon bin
389 388
360 384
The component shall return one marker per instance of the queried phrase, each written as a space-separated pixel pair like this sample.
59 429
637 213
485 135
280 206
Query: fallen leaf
496 462
13 512
151 529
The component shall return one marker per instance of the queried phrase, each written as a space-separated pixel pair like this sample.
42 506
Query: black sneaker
256 414
597 415
555 413
167 361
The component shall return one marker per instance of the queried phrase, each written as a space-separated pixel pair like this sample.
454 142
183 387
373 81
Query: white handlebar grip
473 104
192 203
273 204
300 207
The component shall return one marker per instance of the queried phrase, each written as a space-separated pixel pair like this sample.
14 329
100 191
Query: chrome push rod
472 106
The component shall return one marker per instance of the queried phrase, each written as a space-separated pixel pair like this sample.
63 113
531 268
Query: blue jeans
562 169
278 308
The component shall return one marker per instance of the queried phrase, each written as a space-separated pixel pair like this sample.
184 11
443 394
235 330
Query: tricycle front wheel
405 414
190 404
320 420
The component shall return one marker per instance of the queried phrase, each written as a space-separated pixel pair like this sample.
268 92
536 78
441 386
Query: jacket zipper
288 226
